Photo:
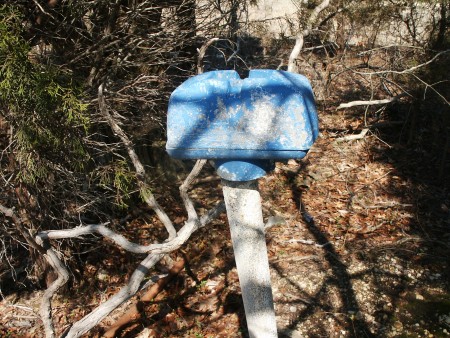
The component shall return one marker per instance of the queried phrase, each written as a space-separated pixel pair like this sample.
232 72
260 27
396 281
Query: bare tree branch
92 319
366 103
409 70
431 86
134 313
42 9
292 66
183 234
128 291
359 136
201 54
192 214
157 251
45 309
139 168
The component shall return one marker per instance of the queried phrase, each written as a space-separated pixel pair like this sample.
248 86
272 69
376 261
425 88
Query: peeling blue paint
270 115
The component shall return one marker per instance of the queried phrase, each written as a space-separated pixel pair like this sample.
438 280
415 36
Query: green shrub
42 106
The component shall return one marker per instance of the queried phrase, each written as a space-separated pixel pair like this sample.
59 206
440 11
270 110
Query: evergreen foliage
41 104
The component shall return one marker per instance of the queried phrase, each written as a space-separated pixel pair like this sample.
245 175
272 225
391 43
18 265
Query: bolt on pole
243 203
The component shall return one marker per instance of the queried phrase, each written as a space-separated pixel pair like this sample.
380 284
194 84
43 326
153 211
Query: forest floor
361 249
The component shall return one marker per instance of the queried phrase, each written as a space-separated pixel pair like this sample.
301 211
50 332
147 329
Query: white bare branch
156 252
139 168
128 291
359 136
161 248
292 66
192 214
365 103
201 54
45 309
408 70
42 9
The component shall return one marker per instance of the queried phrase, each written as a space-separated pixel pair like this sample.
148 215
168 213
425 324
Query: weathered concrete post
244 213
243 126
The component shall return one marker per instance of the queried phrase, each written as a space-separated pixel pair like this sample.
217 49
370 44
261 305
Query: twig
21 307
42 9
372 182
20 317
386 47
386 205
432 88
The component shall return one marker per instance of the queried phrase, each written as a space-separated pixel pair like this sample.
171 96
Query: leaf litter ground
360 249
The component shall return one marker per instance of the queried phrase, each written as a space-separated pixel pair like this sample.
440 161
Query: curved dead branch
201 54
139 168
292 66
161 248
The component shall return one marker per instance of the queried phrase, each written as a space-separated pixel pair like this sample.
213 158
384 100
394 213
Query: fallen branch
365 103
157 251
307 242
359 136
45 309
294 259
133 314
92 319
386 47
160 248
